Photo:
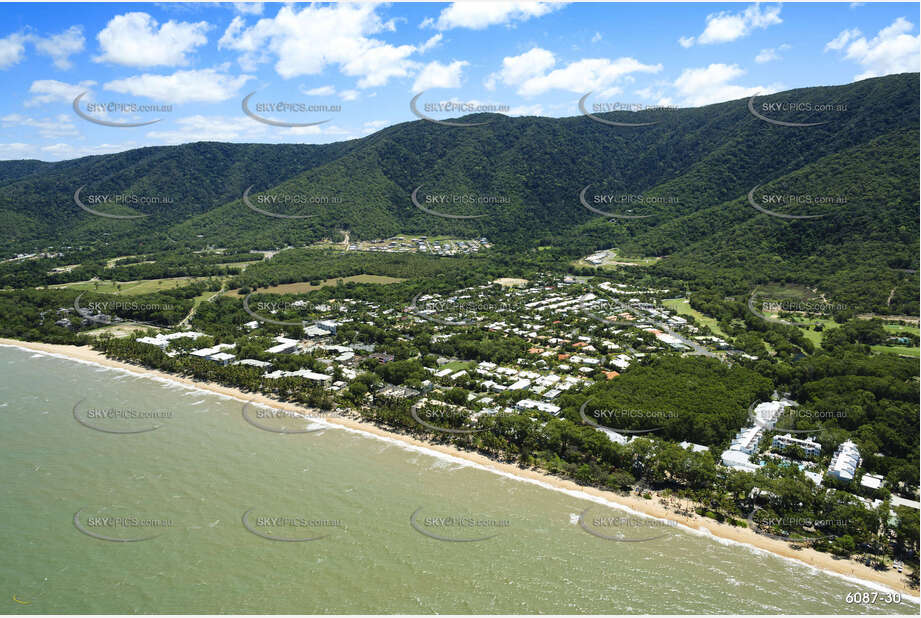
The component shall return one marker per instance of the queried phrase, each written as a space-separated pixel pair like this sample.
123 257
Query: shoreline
889 580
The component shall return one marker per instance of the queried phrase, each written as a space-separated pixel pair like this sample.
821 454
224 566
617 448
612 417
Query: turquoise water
205 466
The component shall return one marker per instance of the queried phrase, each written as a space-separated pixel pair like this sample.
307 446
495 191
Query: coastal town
575 334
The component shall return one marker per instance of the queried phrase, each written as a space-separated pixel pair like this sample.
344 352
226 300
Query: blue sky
533 58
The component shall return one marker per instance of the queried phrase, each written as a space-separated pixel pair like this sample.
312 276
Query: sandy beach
653 507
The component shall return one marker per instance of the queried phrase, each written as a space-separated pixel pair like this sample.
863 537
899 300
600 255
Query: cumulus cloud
432 42
532 73
210 128
328 91
842 39
892 50
61 125
322 91
438 75
726 26
374 125
61 151
480 15
231 128
60 47
12 50
702 86
52 90
202 85
770 54
306 41
248 8
134 39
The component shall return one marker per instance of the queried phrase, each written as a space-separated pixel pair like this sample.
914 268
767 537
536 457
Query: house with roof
844 462
809 446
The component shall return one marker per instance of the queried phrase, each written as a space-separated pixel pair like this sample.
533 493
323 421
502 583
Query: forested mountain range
700 164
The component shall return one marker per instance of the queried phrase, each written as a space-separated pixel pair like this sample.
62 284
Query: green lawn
130 288
898 328
682 307
458 365
896 349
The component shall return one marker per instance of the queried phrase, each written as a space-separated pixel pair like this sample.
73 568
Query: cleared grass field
896 349
130 288
682 307
306 286
458 365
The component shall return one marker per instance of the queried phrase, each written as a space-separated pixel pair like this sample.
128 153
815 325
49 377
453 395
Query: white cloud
60 46
531 74
724 26
432 42
306 41
892 50
842 39
133 39
12 50
328 91
597 37
210 128
51 90
374 125
518 69
248 8
57 126
526 110
771 54
205 85
62 151
479 15
199 128
437 75
710 84
322 91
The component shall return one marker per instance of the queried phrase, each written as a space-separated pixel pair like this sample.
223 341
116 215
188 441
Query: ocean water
368 521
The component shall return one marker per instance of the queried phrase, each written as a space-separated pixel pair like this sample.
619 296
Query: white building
162 341
612 435
300 373
695 448
530 404
520 385
747 440
285 346
845 462
216 353
252 362
222 357
738 460
767 413
327 325
809 446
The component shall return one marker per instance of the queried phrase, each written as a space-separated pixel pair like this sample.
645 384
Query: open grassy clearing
683 307
305 286
130 288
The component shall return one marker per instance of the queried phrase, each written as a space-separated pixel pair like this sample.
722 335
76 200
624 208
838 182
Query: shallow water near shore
337 521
